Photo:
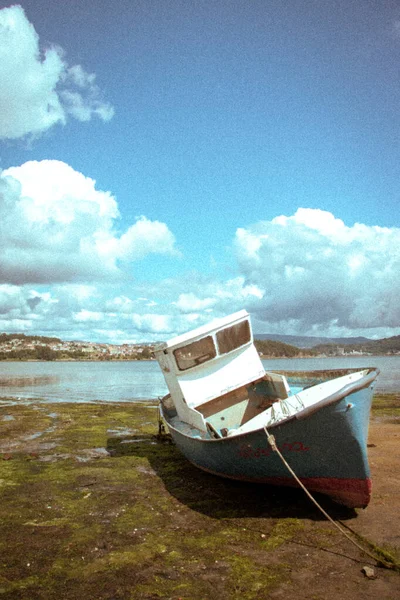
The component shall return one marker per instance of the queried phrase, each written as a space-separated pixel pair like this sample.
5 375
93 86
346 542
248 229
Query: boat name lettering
250 452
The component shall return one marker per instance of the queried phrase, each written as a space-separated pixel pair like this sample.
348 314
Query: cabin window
233 337
195 353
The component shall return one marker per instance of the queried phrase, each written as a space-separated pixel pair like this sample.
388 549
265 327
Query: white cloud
189 303
145 237
317 272
88 315
37 88
55 226
300 276
120 304
153 323
11 301
315 219
21 309
249 242
82 292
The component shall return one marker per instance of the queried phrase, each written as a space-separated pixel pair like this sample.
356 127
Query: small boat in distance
222 402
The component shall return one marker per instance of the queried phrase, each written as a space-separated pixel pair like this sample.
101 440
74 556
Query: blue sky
165 163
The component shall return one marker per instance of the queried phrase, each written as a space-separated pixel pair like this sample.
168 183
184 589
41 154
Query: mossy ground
387 405
93 506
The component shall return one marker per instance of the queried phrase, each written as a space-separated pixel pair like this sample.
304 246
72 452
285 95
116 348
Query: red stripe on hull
353 493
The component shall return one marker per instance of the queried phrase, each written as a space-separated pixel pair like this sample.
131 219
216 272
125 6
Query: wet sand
93 506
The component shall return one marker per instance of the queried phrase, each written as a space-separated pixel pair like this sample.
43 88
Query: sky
165 163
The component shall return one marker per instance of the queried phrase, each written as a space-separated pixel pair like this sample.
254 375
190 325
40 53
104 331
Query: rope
272 443
162 434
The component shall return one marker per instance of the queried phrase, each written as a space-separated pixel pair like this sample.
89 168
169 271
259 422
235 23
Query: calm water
143 380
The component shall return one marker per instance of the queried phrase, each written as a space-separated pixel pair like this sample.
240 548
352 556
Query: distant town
25 347
18 346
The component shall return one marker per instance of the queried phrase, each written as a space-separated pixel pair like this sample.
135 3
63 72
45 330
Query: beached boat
222 405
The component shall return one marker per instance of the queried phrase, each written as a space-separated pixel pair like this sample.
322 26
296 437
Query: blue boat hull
326 448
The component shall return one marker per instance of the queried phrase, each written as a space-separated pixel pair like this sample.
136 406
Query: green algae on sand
93 506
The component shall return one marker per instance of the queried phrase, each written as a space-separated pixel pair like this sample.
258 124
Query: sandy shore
92 506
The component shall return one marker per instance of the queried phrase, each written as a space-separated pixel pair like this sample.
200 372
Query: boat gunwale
347 390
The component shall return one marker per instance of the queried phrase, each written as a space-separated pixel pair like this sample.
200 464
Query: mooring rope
271 440
272 443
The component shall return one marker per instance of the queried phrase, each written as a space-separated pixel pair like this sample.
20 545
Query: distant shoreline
89 360
263 357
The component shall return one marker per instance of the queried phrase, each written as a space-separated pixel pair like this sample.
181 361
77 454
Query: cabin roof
211 327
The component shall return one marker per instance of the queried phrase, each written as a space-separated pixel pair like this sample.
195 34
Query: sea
136 381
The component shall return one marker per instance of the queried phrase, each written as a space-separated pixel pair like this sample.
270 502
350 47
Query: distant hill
276 349
34 347
384 346
273 345
5 337
308 341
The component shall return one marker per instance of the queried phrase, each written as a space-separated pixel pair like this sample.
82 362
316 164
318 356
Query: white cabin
209 362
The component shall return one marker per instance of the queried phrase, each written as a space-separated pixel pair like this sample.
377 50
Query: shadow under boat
217 497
